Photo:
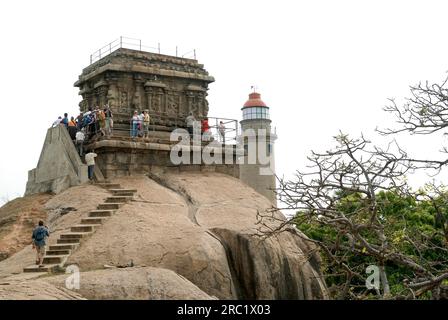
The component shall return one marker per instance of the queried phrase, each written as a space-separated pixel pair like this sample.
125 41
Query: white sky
320 65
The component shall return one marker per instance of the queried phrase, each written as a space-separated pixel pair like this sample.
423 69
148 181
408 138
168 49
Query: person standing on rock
90 161
40 233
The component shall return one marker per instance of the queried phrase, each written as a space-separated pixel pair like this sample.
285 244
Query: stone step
121 133
108 185
74 235
101 213
92 221
67 241
123 192
118 199
82 228
62 247
45 268
57 252
109 206
54 259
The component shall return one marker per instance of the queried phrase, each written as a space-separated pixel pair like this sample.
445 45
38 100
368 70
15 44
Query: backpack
40 234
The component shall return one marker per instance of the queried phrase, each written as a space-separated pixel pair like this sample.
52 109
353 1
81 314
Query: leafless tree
339 192
424 113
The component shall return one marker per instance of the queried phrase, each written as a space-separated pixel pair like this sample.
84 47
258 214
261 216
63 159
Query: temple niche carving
127 80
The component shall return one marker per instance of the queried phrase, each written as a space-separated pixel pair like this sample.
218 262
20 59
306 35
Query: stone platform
123 156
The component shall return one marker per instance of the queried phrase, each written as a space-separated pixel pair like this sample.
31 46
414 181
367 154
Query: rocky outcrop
201 226
155 230
204 227
283 266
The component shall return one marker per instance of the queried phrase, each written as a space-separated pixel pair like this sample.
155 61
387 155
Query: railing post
110 47
90 59
194 51
140 45
158 45
100 53
121 41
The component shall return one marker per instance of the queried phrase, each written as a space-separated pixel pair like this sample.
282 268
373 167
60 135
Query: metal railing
123 128
231 130
135 44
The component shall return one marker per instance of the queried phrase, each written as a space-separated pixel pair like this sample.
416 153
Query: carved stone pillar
154 94
195 97
101 91
137 99
112 97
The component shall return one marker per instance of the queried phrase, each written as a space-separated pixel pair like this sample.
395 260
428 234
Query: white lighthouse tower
257 166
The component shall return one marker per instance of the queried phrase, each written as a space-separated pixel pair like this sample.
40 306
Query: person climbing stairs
67 243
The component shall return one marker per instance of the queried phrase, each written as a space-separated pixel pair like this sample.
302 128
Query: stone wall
59 166
123 158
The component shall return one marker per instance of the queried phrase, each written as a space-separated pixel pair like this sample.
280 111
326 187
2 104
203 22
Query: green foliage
413 228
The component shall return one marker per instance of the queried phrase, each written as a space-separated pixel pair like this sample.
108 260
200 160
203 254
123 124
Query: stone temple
169 88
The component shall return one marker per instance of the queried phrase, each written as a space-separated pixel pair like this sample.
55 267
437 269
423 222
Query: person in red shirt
205 130
204 125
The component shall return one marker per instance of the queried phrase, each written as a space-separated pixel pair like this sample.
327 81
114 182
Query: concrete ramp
59 166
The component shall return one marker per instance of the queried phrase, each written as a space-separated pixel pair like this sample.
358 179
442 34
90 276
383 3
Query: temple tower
257 166
169 88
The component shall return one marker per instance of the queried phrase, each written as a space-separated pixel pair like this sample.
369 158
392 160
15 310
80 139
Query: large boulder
204 227
109 284
265 266
132 284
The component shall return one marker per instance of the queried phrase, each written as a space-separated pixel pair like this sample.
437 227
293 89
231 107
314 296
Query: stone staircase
57 254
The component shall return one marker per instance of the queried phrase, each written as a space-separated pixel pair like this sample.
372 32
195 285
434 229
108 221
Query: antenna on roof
254 88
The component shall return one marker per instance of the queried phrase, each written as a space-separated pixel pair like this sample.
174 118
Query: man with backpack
40 233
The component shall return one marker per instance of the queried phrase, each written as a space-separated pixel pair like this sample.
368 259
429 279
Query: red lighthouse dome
255 108
254 101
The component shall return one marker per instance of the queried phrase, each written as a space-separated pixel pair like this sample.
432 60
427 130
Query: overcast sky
321 66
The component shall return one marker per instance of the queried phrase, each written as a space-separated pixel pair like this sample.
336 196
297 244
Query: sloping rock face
26 289
204 227
17 219
111 284
279 267
200 229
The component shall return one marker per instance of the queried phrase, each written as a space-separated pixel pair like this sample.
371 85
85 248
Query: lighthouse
257 165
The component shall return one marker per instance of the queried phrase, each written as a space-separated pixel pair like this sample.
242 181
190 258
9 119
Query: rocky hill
183 236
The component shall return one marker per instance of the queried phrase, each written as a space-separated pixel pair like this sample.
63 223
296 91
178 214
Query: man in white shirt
222 131
90 161
57 122
80 142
